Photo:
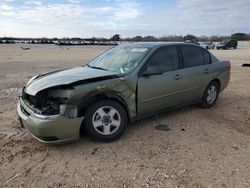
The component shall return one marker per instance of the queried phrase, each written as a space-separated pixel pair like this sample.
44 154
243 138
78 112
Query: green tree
116 37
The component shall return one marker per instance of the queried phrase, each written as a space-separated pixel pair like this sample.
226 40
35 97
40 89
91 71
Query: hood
65 77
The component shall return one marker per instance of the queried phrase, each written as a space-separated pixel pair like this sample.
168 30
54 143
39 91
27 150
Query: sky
104 18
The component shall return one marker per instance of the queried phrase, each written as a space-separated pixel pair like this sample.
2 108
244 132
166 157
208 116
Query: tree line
181 38
149 38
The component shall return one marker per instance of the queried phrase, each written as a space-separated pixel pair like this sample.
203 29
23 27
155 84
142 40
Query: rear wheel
210 95
106 120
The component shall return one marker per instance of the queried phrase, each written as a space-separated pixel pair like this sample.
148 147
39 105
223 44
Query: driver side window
165 58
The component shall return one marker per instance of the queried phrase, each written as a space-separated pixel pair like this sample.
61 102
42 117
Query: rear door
156 92
195 73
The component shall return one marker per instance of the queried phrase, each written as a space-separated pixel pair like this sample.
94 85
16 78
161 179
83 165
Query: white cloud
99 10
56 13
33 2
74 1
45 14
129 18
199 17
66 19
8 1
127 10
5 7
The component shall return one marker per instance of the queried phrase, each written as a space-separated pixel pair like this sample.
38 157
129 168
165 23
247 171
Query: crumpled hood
64 77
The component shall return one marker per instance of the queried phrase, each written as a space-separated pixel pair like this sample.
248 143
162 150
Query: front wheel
210 95
106 120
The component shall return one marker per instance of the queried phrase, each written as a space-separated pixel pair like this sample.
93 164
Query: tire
210 95
106 120
235 47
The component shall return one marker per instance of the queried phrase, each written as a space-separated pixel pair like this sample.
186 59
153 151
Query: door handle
206 71
177 77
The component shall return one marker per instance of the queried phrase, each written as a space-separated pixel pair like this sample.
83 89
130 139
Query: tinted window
166 58
192 56
206 56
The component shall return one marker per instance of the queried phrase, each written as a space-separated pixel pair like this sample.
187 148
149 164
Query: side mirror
152 71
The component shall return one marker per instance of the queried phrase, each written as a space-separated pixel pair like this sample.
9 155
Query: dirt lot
204 147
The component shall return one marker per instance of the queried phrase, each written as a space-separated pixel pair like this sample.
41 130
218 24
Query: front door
157 92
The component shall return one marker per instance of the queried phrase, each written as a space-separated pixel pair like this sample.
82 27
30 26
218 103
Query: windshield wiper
96 67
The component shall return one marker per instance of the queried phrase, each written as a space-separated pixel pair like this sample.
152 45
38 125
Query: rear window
192 56
206 57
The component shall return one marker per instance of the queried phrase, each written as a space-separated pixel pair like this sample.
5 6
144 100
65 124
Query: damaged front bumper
49 129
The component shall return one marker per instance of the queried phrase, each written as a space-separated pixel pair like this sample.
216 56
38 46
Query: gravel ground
203 148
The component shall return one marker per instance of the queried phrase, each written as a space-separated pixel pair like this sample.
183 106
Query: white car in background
207 45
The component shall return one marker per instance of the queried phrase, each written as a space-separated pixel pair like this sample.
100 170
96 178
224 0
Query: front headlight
51 105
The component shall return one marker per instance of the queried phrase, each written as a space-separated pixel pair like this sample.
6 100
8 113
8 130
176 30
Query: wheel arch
86 101
218 81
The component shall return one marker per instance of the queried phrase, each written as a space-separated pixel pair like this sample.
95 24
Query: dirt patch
205 147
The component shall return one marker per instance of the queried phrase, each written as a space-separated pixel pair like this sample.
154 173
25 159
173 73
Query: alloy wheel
106 120
211 94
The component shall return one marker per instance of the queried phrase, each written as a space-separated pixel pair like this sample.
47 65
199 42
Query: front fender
115 89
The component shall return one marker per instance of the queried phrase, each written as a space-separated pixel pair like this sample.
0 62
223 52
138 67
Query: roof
155 44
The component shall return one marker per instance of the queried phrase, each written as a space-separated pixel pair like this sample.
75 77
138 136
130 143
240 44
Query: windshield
224 41
121 59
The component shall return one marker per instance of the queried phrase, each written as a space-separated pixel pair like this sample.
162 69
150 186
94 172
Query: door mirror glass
152 70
